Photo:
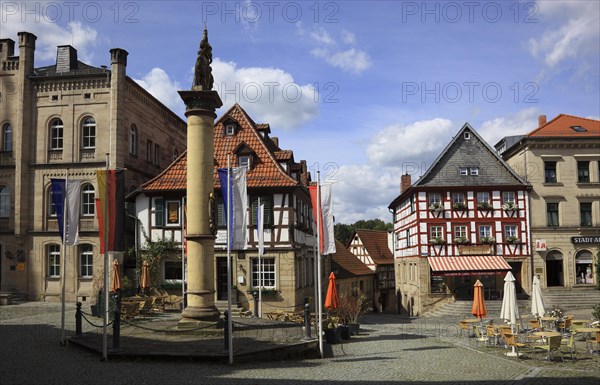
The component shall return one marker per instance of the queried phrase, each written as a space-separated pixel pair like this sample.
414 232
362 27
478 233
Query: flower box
513 240
510 206
462 240
459 206
487 240
438 241
484 206
436 207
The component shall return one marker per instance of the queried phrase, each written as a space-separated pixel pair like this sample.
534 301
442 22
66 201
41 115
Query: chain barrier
91 323
282 307
168 330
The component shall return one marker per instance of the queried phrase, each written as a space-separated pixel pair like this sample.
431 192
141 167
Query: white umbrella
537 302
510 309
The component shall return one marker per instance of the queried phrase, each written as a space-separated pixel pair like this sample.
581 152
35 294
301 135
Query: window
159 212
485 231
284 166
407 235
244 161
51 205
88 201
56 134
268 202
436 232
483 197
88 133
508 197
133 140
583 171
173 213
467 135
157 155
7 137
474 170
460 232
4 201
585 212
464 170
268 273
434 198
550 172
86 261
173 271
221 220
149 151
53 258
458 197
230 129
510 231
552 214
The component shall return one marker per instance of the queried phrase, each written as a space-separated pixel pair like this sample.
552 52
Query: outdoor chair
463 326
565 324
479 336
511 342
535 325
552 345
146 306
492 335
569 343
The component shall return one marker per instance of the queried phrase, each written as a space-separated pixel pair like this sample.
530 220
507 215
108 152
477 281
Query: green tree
343 232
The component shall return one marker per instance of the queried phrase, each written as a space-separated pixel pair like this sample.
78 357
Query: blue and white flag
261 229
237 216
67 200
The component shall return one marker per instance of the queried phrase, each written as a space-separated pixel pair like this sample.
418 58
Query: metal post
255 296
117 322
307 320
78 320
226 330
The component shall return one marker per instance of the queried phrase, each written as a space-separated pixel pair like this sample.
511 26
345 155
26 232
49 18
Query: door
516 270
222 279
554 269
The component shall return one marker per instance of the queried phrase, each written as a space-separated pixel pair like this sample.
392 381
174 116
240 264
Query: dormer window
283 165
474 170
230 129
464 171
244 161
467 135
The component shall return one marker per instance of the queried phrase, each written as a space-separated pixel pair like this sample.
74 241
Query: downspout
531 244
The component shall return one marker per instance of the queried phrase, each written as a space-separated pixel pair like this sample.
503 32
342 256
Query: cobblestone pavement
390 350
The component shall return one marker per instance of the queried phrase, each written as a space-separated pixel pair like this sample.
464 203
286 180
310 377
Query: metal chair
570 344
552 346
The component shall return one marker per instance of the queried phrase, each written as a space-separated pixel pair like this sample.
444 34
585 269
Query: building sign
475 250
577 240
540 245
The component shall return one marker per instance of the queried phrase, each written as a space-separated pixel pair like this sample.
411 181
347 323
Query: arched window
56 134
584 261
4 201
86 261
87 199
133 140
88 133
7 137
53 258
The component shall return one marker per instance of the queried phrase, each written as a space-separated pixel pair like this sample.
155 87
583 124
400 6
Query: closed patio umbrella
478 309
331 298
537 302
116 281
145 284
510 309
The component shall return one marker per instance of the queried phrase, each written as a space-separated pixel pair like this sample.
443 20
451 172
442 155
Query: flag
114 185
67 200
327 243
237 217
261 229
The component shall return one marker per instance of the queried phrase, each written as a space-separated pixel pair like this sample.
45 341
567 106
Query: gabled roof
347 264
461 152
265 170
376 245
561 126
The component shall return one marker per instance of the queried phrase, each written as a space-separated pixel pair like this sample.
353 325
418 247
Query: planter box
333 336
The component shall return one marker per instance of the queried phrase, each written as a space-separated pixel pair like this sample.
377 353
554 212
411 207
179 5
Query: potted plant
487 240
355 306
484 206
509 206
436 207
462 240
437 241
512 239
333 334
459 206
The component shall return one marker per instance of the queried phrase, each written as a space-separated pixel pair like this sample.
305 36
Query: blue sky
362 90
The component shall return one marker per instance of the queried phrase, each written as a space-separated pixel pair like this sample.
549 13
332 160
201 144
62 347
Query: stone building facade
68 116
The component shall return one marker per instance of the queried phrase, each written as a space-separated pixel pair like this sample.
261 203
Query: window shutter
159 212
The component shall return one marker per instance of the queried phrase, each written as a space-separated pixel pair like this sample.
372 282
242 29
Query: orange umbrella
145 276
331 299
478 309
116 281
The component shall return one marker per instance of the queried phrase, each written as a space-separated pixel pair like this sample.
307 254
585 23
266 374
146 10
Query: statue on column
203 79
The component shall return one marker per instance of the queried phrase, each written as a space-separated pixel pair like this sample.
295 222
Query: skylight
578 129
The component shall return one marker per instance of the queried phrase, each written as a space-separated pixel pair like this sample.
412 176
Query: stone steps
236 309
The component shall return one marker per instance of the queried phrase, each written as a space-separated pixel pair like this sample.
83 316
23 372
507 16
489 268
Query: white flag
73 203
327 215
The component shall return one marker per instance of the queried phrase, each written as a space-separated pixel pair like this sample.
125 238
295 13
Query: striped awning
468 265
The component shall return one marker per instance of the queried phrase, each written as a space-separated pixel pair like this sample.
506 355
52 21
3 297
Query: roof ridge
166 169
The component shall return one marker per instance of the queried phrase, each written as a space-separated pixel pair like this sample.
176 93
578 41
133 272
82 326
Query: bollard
78 320
116 330
226 330
307 320
255 296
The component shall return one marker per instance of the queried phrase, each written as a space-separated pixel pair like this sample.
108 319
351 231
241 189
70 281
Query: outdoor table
472 322
579 321
551 321
546 334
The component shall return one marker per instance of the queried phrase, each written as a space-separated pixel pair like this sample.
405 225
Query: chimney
275 140
405 182
541 120
66 58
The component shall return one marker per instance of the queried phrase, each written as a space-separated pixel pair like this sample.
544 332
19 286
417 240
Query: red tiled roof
376 244
265 170
561 127
348 264
283 155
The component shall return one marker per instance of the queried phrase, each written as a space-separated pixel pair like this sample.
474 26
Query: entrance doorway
222 279
516 271
554 269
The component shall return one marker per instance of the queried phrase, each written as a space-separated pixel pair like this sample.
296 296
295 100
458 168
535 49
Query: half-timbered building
274 177
465 219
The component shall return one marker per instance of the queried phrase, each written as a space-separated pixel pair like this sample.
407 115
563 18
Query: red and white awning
468 265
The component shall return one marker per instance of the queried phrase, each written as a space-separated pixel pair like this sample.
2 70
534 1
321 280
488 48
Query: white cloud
345 56
269 95
520 123
158 83
408 143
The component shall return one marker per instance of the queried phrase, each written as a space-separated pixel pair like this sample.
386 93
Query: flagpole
260 272
64 261
319 267
104 224
229 215
183 248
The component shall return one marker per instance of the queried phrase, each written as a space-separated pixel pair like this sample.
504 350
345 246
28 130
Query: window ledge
587 184
551 184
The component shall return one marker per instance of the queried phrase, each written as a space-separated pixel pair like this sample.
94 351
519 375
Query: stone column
200 111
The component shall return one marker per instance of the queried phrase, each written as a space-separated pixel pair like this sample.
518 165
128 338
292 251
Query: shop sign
540 245
577 240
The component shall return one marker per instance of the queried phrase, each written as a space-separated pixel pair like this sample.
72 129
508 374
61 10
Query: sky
364 91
